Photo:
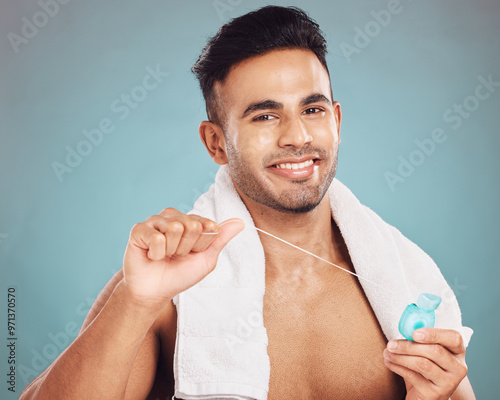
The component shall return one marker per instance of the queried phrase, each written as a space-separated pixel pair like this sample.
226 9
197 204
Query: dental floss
307 252
415 316
318 257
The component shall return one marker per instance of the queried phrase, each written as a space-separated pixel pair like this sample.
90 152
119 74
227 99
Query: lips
295 168
291 161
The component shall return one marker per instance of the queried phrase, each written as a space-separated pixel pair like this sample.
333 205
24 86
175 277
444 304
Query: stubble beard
301 199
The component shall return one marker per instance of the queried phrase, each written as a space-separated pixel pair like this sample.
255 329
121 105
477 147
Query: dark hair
258 32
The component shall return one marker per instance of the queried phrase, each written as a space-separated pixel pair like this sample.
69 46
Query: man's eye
313 110
265 117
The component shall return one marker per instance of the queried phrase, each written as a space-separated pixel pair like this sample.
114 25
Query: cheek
253 144
265 136
326 131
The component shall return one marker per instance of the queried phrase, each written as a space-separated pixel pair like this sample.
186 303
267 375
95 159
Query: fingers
421 365
191 238
208 234
435 364
426 389
172 233
227 230
436 353
158 236
448 338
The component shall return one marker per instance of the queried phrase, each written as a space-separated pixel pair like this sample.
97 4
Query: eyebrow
274 105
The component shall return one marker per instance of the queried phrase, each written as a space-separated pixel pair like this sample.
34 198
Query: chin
303 209
295 204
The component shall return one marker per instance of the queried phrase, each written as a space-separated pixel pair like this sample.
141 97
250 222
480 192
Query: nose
294 134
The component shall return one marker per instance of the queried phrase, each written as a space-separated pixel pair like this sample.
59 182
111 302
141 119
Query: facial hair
302 198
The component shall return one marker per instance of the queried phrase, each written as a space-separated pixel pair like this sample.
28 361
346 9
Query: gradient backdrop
419 86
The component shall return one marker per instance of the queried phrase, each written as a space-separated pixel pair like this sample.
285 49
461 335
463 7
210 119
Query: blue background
62 239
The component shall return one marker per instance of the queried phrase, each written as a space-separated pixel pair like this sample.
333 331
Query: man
274 124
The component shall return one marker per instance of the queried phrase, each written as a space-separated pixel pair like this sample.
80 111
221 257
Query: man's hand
432 366
170 252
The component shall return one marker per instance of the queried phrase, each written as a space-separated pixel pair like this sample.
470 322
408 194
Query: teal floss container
420 315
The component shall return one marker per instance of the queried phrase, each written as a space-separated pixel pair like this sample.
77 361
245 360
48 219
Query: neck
314 231
297 228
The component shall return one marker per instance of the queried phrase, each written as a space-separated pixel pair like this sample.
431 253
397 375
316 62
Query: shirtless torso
324 339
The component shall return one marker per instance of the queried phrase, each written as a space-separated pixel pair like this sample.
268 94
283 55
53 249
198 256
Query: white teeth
295 165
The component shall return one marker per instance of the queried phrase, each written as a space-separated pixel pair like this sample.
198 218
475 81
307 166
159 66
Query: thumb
227 230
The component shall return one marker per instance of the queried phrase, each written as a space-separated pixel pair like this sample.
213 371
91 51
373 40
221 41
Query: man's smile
295 168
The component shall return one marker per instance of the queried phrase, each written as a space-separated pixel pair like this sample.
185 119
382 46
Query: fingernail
392 345
419 335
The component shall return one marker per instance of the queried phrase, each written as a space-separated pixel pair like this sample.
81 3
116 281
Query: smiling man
283 131
274 128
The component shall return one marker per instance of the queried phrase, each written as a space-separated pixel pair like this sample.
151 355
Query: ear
213 138
338 116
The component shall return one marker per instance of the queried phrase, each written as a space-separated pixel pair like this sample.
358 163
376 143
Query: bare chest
325 341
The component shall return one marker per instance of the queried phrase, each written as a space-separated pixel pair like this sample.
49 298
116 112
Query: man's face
281 129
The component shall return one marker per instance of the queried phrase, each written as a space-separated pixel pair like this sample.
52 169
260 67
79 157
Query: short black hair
256 33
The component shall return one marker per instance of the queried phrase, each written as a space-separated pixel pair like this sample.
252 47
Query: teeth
295 165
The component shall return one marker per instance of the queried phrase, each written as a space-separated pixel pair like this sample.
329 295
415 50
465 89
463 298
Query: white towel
221 346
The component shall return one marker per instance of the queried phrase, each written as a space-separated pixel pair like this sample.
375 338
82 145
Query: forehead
286 76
